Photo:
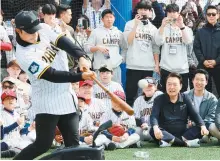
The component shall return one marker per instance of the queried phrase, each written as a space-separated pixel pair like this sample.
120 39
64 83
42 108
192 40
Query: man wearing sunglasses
206 47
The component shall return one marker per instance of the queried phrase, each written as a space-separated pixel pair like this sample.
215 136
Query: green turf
209 151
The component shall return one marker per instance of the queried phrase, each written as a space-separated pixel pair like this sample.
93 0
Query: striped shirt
99 93
35 59
143 108
97 111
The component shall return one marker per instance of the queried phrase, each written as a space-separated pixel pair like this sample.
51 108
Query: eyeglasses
211 14
9 87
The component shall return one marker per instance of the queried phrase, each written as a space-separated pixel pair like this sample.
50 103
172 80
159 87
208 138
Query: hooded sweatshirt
174 49
111 39
140 52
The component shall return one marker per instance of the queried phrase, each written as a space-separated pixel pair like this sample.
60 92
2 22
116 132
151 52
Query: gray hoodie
112 39
174 49
140 52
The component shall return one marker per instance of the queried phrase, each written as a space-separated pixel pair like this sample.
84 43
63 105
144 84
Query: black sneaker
111 146
8 154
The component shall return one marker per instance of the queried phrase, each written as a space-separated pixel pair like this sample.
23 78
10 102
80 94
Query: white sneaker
193 143
164 144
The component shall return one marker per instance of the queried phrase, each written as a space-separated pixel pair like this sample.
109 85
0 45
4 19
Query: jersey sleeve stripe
58 39
39 76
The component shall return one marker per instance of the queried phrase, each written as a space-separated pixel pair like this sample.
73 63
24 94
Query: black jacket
207 44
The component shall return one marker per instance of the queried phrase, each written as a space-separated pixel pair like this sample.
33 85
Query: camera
172 21
143 19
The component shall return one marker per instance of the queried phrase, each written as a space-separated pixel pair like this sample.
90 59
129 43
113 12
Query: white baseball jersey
97 110
35 59
143 108
8 119
99 93
123 119
110 38
86 122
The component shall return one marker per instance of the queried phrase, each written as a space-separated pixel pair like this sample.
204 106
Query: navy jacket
206 44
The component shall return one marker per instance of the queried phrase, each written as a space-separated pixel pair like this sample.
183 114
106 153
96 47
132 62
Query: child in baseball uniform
106 74
143 107
105 43
14 123
86 126
121 118
95 107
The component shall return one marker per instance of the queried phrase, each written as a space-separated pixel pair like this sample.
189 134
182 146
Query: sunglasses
9 87
211 14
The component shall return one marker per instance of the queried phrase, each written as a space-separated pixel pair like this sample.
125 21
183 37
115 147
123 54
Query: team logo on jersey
34 67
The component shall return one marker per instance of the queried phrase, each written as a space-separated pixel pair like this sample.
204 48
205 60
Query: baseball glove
117 130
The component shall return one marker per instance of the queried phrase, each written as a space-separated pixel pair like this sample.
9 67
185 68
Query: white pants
103 140
144 134
19 143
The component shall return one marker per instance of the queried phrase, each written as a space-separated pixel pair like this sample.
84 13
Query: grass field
210 151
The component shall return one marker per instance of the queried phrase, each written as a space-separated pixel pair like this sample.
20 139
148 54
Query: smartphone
85 24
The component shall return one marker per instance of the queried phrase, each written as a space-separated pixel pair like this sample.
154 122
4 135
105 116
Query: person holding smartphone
142 57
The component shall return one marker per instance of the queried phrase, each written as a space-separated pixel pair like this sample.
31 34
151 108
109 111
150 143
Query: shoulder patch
34 67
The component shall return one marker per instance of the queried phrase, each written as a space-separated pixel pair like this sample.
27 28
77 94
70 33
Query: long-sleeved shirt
207 107
174 50
206 44
173 116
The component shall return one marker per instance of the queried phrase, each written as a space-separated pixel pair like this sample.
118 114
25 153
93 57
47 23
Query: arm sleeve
107 134
123 46
217 115
11 127
198 49
2 132
57 76
192 112
67 45
154 118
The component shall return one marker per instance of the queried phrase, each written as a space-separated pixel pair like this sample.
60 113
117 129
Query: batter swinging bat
121 104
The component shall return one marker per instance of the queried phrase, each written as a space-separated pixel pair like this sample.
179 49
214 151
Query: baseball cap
9 79
105 67
79 96
8 94
120 94
107 11
27 21
86 82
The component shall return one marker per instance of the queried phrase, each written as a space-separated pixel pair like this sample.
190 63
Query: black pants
164 75
45 132
191 75
215 74
189 134
132 78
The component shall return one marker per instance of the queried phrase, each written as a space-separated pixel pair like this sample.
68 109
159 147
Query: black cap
107 11
27 21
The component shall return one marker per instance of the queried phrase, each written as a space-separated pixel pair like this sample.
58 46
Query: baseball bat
121 104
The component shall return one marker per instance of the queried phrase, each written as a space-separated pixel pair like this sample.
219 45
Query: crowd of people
49 101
